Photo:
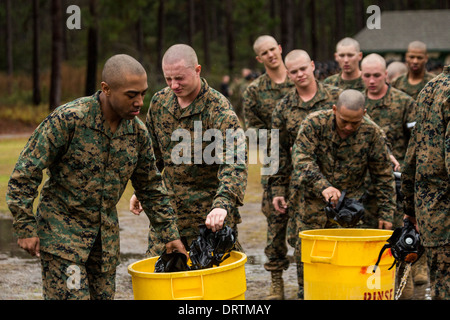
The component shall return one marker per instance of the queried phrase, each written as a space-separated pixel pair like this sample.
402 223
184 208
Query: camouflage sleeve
47 142
279 181
411 114
156 147
447 141
408 177
306 168
382 176
149 189
233 172
250 102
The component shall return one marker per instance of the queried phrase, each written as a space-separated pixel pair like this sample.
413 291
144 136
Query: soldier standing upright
392 109
425 179
260 99
204 189
417 76
395 112
91 147
307 96
348 55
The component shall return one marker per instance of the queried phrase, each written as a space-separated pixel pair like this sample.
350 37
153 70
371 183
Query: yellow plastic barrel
338 265
224 282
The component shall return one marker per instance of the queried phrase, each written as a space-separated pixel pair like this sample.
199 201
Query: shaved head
372 59
260 40
351 99
118 67
347 42
396 69
297 54
417 45
180 52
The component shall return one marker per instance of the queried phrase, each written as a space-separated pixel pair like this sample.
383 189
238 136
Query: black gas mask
347 213
405 244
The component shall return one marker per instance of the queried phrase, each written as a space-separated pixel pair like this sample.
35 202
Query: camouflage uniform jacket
322 159
402 84
260 99
195 186
337 81
426 177
287 117
395 114
88 169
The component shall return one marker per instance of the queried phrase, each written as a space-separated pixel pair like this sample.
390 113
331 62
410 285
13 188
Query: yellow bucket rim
346 234
192 273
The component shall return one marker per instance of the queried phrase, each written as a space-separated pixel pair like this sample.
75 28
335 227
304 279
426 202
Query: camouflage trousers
65 280
439 266
276 246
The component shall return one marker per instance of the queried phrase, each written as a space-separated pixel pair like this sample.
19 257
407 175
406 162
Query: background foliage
221 31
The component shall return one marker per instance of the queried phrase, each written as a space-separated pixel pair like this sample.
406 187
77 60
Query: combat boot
420 271
277 287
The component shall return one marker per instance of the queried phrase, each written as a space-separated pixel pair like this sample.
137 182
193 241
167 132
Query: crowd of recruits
93 145
325 152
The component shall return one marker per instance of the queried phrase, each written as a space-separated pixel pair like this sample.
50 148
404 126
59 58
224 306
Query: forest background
43 63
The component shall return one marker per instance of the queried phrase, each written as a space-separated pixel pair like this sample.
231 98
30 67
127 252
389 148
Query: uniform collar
320 95
97 122
195 107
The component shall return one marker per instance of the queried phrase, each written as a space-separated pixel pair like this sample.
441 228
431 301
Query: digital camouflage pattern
88 169
395 114
59 283
260 99
197 188
337 81
322 159
402 83
426 179
287 117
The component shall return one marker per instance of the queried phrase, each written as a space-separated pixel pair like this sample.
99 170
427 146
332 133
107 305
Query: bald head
180 52
351 99
374 59
417 45
296 55
395 69
118 67
262 39
348 42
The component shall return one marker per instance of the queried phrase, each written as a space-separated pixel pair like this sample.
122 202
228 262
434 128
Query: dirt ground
20 277
20 274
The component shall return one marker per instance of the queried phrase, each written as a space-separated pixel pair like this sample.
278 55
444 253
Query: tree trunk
230 34
36 80
57 48
9 46
340 20
92 54
161 23
314 41
287 26
191 22
206 52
